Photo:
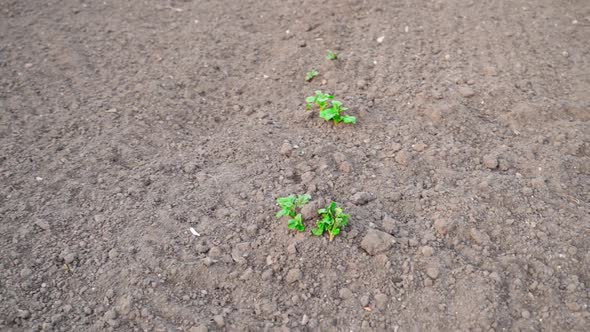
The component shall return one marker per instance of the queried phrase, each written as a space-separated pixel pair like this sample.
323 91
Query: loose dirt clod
294 275
375 242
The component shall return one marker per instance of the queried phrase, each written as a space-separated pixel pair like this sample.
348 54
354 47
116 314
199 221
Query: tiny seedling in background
331 55
311 74
289 206
330 109
333 220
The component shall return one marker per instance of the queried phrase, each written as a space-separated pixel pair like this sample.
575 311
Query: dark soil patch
125 123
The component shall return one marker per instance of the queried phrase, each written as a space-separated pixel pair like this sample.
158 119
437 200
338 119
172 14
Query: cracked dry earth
467 175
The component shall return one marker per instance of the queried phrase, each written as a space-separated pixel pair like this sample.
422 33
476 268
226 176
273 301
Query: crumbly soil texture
467 175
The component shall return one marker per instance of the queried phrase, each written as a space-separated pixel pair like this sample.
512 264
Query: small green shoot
311 74
334 113
333 220
321 99
330 109
331 55
289 206
296 223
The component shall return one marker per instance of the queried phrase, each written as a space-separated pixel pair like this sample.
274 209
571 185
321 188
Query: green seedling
331 55
321 99
334 113
311 74
289 206
330 109
333 220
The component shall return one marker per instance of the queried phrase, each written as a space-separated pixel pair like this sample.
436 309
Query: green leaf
331 55
348 119
286 201
310 99
311 74
328 114
296 223
287 205
332 207
343 219
302 200
333 219
318 231
322 97
282 213
322 100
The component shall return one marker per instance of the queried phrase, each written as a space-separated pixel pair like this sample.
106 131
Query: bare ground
467 176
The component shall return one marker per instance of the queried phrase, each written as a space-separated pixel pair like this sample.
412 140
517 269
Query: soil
467 175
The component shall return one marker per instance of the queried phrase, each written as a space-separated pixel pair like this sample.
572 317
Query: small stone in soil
364 300
427 251
309 211
25 272
110 315
381 301
466 91
402 158
345 293
42 224
24 314
432 272
219 320
478 236
200 328
215 252
442 226
490 161
266 275
113 253
419 147
292 249
376 242
286 149
69 258
304 320
388 224
361 198
293 275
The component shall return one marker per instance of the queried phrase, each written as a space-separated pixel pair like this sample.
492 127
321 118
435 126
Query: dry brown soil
467 176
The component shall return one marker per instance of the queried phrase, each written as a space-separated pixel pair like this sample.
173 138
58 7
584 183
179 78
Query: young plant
331 55
334 113
321 99
333 220
289 206
330 109
311 74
